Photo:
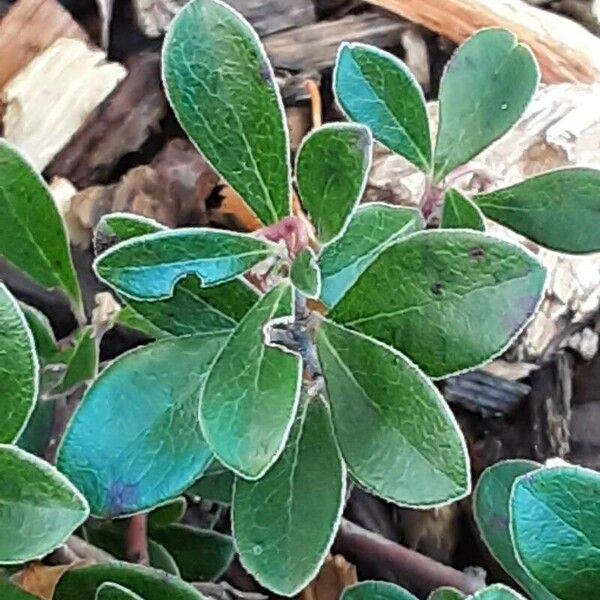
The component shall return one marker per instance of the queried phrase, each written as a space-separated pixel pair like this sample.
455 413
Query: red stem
137 540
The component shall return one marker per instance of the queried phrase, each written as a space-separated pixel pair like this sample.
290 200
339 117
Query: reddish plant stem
415 571
136 540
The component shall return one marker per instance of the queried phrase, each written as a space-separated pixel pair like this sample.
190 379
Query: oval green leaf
19 369
379 590
221 86
491 511
120 227
284 523
149 266
191 309
331 171
216 484
305 274
114 591
111 538
12 592
559 209
460 213
150 584
37 243
81 361
486 87
371 229
555 527
201 555
446 593
377 89
168 513
43 334
497 592
390 419
135 441
248 402
39 507
427 294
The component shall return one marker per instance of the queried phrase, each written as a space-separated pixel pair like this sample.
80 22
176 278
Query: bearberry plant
289 361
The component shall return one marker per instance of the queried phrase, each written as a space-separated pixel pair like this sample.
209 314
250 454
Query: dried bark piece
121 124
29 27
48 100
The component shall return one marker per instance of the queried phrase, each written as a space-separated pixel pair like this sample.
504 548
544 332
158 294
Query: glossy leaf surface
250 396
378 90
37 243
491 512
426 296
223 91
486 87
19 370
460 213
149 266
331 171
395 431
559 209
285 522
135 440
370 229
555 528
39 507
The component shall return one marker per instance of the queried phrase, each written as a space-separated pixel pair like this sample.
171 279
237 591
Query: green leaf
491 512
135 440
251 394
39 507
149 266
446 593
12 592
284 523
376 590
485 89
371 228
216 484
200 554
170 512
150 584
192 309
37 243
221 86
389 418
305 274
19 369
81 361
43 334
377 89
331 170
114 591
120 227
460 213
111 538
428 294
497 592
36 435
555 527
559 209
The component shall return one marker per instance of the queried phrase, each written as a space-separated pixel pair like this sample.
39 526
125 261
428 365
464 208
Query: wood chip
29 27
47 102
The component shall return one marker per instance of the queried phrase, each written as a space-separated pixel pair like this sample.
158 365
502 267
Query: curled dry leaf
335 575
41 580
